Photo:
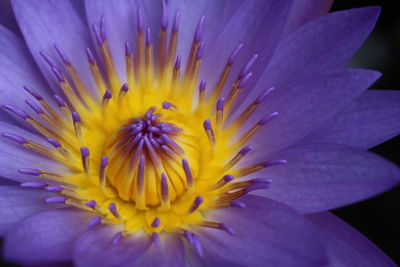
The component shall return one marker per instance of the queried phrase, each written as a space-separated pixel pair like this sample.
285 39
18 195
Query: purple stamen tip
226 229
91 204
48 59
62 55
164 18
33 172
202 86
107 94
175 26
90 56
255 186
104 162
148 37
103 28
178 62
125 87
196 204
245 150
156 240
207 125
234 54
57 73
16 111
237 204
221 103
56 199
164 187
156 222
244 80
188 236
85 152
128 51
247 67
14 138
54 188
166 105
60 102
112 207
33 185
53 142
227 178
268 118
34 94
262 97
199 30
97 34
117 238
200 51
75 117
35 107
94 221
274 162
139 20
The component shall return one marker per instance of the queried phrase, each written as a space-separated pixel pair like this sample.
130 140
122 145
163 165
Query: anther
54 188
113 209
33 185
223 181
48 59
156 239
56 199
106 98
91 204
85 160
168 105
202 92
33 93
246 68
94 221
58 75
165 201
246 137
196 204
156 222
219 113
209 131
15 138
117 238
199 30
33 172
123 91
34 107
90 56
76 119
188 174
103 172
16 111
238 157
234 54
62 55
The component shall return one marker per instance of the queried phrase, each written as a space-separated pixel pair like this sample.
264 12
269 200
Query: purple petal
14 157
369 120
303 11
17 203
307 102
324 43
320 177
120 24
345 246
48 22
45 237
171 253
265 232
95 248
7 17
256 24
17 70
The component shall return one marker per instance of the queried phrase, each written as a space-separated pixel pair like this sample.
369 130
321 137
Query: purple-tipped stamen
117 238
202 86
209 131
220 104
226 228
113 209
16 111
139 22
58 75
178 62
164 16
128 50
125 87
90 56
33 185
234 54
62 55
35 107
244 80
156 239
148 37
196 204
54 188
33 93
262 97
199 30
15 138
59 101
188 236
188 173
33 172
274 162
91 204
267 118
94 221
75 117
156 222
197 245
200 51
177 18
53 142
247 67
56 199
48 59
107 95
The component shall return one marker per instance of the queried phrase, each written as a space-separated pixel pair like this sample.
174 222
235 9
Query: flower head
162 130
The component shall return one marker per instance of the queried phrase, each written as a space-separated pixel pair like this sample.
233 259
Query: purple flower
212 133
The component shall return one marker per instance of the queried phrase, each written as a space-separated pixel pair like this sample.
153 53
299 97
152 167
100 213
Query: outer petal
171 253
95 248
345 246
45 237
267 233
17 203
54 21
7 18
320 177
16 70
306 103
369 120
14 156
305 10
324 43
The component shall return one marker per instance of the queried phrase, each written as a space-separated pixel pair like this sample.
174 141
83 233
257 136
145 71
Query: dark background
379 217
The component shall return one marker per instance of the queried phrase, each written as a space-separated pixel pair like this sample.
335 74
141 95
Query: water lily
189 133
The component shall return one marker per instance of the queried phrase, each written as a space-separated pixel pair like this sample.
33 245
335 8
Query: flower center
155 153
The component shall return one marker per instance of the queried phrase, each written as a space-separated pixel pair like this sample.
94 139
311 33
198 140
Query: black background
378 218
